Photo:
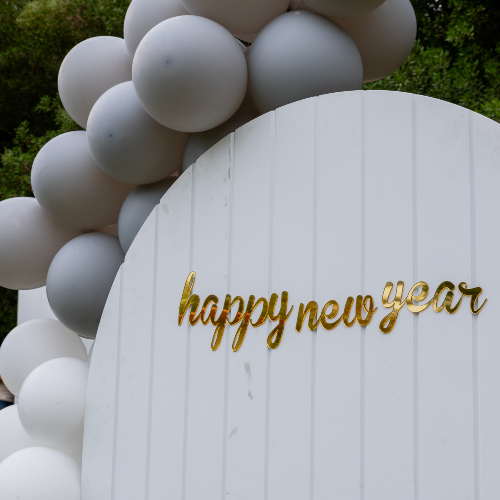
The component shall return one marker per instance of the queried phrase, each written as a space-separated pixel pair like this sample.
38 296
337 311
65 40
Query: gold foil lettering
312 309
370 310
388 323
473 293
331 315
187 301
274 338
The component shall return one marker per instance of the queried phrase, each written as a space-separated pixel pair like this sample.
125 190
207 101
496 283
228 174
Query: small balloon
385 37
343 8
137 207
143 15
80 278
127 143
238 16
29 240
88 70
201 142
52 403
40 474
190 74
13 437
298 55
71 187
33 343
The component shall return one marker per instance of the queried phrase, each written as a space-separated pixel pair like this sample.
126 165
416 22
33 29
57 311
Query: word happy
364 309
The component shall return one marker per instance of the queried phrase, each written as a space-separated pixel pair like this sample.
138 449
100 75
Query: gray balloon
80 278
298 55
201 142
343 8
136 209
127 143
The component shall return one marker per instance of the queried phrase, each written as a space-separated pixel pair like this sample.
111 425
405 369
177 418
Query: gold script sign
364 309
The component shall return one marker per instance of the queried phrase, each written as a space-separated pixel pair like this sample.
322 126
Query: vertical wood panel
247 371
389 257
292 266
444 253
337 429
97 461
204 464
132 420
171 343
486 175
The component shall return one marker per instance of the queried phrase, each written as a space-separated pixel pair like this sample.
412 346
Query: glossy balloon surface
40 474
29 240
71 187
300 55
88 70
143 15
127 143
33 343
80 278
190 74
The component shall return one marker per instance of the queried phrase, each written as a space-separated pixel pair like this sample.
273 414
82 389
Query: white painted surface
325 198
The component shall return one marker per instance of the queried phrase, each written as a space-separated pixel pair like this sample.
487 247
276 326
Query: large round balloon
71 187
190 73
143 15
238 16
201 142
343 8
40 474
52 403
127 143
300 55
13 437
88 70
385 37
136 209
80 278
29 240
33 343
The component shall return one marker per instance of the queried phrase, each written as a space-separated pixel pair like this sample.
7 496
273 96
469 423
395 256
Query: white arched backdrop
324 198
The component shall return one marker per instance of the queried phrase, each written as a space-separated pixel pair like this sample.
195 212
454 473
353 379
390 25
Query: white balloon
71 187
80 278
29 240
91 352
201 142
343 8
137 207
33 343
190 74
52 403
13 437
300 55
143 15
40 474
385 37
127 143
238 16
88 70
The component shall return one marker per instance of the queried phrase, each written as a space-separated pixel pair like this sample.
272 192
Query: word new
362 306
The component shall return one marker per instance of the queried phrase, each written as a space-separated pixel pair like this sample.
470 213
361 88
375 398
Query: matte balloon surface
29 240
343 8
190 74
201 142
33 343
71 187
137 207
143 15
52 403
88 70
127 143
300 55
40 474
13 437
238 16
385 37
80 278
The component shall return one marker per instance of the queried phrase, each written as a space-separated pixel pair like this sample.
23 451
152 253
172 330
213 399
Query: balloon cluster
150 105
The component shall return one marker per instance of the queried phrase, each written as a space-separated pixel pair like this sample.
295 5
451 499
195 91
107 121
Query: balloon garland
151 104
